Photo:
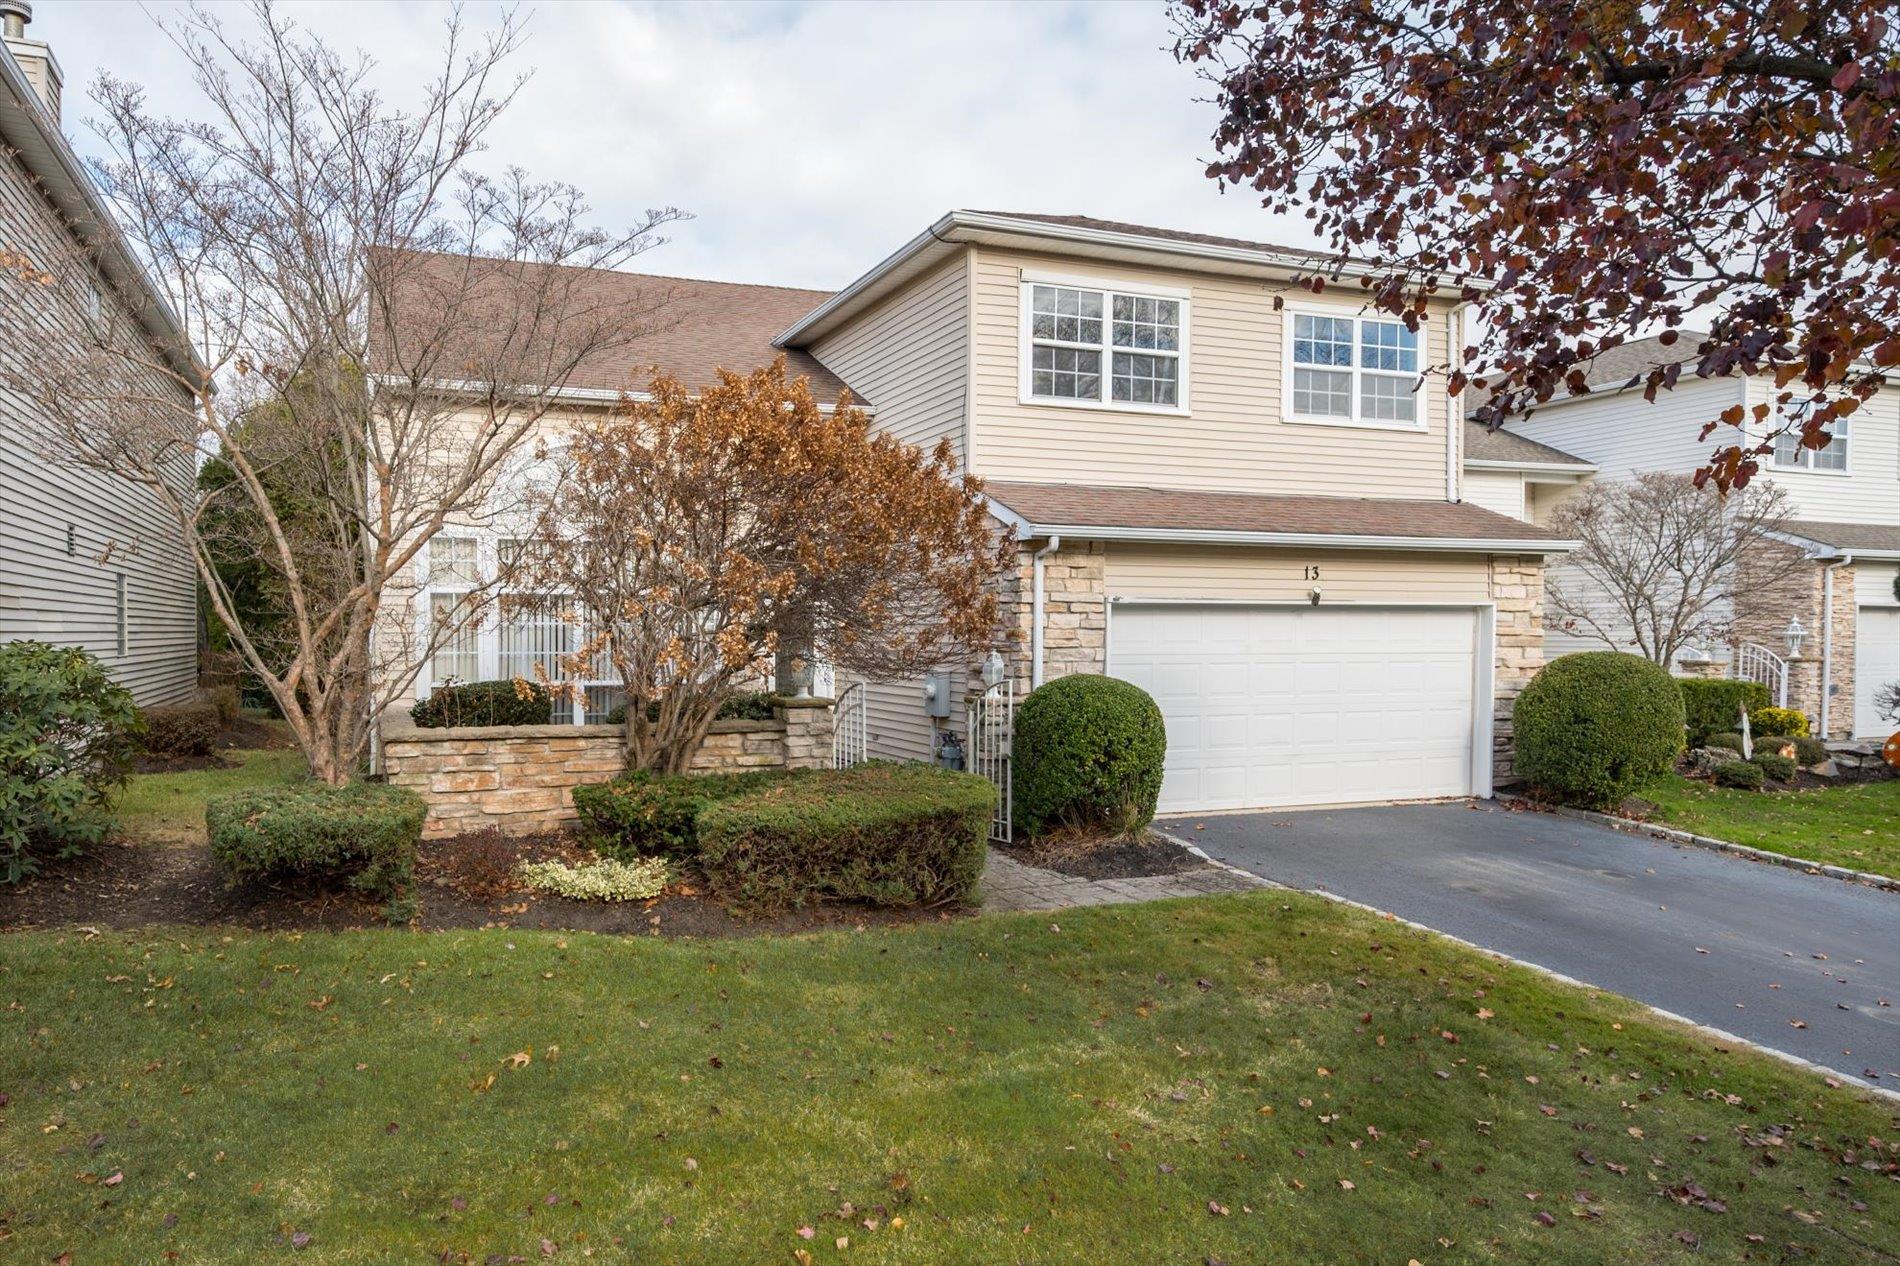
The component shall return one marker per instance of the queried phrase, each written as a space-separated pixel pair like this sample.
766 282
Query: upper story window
1120 349
1789 454
1354 370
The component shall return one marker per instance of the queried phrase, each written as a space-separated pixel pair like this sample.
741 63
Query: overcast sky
807 140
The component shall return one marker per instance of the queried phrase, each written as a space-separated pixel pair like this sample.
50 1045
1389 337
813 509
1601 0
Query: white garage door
1876 662
1272 706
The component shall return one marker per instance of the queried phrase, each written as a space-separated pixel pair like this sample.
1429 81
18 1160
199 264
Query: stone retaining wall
520 778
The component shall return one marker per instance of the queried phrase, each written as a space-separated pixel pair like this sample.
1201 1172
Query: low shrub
605 879
509 702
363 833
1809 751
227 698
181 729
890 835
1731 740
1741 774
1778 722
1088 754
747 705
1712 705
642 814
1590 728
1779 768
68 734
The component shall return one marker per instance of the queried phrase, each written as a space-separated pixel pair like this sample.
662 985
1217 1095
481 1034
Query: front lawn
1853 826
1235 1079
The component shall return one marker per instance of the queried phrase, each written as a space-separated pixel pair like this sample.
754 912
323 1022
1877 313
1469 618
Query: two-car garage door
1269 706
1876 662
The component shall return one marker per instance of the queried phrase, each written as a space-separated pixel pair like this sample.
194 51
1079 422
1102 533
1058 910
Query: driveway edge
1669 833
1705 1030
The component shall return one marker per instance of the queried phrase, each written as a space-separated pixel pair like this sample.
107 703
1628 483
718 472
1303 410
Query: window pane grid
1354 369
1788 447
458 655
1071 338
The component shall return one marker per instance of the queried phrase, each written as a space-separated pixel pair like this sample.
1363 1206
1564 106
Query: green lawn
1246 1079
1856 827
170 808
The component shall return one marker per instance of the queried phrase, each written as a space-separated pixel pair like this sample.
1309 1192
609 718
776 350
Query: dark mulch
128 886
1088 856
245 732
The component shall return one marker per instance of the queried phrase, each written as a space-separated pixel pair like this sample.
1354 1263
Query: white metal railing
991 729
1754 662
848 727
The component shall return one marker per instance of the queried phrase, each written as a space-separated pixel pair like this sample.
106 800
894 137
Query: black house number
1312 571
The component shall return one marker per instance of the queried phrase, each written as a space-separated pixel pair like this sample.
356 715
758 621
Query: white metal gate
1758 663
847 734
991 729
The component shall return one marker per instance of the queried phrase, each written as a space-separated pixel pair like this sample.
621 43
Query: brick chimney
34 57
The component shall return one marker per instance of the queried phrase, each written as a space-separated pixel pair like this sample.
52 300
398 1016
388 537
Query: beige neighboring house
1227 490
1844 499
85 560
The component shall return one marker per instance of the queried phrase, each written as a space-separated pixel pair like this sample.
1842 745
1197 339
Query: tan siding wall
1499 490
1234 439
909 356
71 599
1276 575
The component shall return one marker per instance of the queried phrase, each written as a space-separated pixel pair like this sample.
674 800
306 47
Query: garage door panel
1876 662
1270 706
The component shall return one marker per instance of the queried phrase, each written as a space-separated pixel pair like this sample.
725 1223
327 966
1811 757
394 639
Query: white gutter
1320 540
1827 635
575 395
1578 469
1035 610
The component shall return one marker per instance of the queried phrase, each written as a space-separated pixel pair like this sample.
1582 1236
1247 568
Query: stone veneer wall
1517 589
520 779
1761 616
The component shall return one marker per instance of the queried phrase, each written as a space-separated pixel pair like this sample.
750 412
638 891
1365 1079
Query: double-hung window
1118 348
1789 452
1354 370
454 569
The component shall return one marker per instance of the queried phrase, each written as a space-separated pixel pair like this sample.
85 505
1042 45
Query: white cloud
808 140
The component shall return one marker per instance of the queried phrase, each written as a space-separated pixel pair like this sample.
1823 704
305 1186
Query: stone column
808 732
1517 590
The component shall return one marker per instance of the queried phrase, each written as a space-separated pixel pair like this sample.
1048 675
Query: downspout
1827 636
1035 610
1454 405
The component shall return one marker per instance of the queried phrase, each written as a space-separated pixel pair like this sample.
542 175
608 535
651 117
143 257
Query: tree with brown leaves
379 332
1612 167
697 536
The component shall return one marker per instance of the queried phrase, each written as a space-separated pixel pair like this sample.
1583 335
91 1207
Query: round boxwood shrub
1778 722
364 834
1740 774
1088 754
1809 751
1731 741
1779 768
1591 728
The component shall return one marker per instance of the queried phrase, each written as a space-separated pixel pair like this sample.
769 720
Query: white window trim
1778 419
1417 426
1025 344
487 629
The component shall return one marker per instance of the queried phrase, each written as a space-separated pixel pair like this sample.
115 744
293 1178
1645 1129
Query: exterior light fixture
992 669
1795 634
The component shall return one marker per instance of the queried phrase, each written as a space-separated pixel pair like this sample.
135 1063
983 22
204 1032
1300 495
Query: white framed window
1102 346
123 623
1348 370
1789 453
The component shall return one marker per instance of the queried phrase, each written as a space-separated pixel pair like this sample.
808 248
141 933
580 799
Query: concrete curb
1705 1030
1634 827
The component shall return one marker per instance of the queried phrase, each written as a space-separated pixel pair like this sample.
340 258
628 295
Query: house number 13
1312 571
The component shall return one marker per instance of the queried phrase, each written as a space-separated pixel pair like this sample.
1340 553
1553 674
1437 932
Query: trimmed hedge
1730 739
747 705
1779 768
1088 753
364 833
889 835
1741 774
1809 751
1778 722
642 814
505 702
1590 728
1712 705
181 729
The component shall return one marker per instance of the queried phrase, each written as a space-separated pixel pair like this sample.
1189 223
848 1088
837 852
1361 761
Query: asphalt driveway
1623 912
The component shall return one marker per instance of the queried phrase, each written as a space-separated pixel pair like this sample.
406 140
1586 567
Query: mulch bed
1106 857
461 883
241 733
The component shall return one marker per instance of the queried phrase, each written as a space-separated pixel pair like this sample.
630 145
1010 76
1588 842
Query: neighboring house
85 560
1252 510
1844 501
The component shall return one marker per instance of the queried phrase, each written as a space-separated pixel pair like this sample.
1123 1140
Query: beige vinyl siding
895 727
909 358
1874 584
1868 491
1499 490
1236 573
1234 438
71 598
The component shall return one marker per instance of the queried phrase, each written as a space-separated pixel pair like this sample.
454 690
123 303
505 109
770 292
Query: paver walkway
1010 885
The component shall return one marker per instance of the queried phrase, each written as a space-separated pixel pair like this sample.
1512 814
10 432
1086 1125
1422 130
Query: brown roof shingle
1485 445
693 328
1074 507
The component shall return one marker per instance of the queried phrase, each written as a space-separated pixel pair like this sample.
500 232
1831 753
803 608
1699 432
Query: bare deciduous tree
700 535
1662 562
379 330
